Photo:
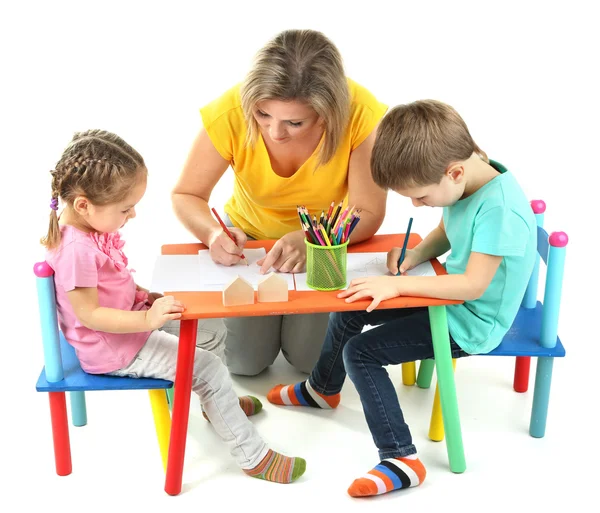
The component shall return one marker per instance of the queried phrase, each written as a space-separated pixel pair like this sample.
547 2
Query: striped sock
278 468
390 474
302 394
250 404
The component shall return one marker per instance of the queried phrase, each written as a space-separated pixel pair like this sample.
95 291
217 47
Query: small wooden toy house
238 292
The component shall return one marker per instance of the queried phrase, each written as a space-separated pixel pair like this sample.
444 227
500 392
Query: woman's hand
379 288
411 259
288 254
223 250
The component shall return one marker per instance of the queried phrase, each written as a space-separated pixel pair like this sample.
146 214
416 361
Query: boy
425 152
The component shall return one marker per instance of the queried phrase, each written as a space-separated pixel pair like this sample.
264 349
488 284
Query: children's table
202 305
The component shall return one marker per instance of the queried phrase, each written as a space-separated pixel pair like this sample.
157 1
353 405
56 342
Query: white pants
211 381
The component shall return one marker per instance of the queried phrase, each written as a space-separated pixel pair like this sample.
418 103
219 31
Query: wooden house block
238 292
272 288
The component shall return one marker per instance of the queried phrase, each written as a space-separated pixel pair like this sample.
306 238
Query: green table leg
425 373
447 388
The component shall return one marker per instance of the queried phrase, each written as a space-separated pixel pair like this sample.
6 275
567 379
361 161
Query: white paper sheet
216 275
183 273
361 265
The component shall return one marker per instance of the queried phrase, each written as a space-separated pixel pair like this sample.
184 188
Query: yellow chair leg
162 422
409 373
436 424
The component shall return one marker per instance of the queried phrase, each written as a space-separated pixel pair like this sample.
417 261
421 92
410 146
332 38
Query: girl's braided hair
98 165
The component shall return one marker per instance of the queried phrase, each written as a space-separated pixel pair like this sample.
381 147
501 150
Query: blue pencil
401 259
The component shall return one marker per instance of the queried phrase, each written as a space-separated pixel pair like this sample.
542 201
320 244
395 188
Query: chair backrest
49 322
552 250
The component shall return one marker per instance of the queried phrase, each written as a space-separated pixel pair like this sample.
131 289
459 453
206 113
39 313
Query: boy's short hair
416 142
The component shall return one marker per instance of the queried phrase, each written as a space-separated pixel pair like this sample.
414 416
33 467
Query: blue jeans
402 335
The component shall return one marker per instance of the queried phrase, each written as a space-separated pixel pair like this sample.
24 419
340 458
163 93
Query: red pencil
227 232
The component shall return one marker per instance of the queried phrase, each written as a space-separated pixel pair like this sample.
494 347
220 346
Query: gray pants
210 335
253 343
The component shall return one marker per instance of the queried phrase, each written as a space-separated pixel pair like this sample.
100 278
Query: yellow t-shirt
263 204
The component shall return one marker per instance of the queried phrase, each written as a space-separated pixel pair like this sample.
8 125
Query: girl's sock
302 394
390 474
278 468
250 404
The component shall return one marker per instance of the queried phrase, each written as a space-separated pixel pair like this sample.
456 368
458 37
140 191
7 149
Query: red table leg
60 433
181 406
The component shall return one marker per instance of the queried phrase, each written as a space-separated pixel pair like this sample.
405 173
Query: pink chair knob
43 270
538 206
558 239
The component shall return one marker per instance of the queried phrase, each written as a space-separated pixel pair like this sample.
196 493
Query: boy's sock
250 404
390 474
302 394
278 468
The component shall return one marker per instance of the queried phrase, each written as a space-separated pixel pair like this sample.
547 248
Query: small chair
63 373
533 334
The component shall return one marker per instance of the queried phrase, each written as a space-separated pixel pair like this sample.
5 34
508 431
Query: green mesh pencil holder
326 266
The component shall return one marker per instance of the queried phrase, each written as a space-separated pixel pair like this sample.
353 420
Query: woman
296 131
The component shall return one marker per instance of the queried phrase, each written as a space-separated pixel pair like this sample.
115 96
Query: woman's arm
202 170
363 193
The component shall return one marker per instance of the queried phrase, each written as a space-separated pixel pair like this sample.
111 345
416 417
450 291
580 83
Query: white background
524 77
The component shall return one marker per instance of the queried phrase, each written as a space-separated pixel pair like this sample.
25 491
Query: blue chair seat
523 338
76 379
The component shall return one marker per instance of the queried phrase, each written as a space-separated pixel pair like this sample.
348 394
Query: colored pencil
403 252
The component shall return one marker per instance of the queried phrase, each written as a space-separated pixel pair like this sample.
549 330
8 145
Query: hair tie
54 204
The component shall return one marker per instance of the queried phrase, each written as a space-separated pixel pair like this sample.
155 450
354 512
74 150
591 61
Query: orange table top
201 305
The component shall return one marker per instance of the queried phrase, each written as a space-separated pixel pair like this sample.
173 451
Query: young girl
112 323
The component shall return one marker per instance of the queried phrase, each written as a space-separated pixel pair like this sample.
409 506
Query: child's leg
210 336
211 381
322 389
402 340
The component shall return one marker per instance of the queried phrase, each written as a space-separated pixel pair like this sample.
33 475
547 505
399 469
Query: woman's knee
252 344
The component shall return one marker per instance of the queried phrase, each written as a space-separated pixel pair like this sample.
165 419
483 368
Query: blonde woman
295 131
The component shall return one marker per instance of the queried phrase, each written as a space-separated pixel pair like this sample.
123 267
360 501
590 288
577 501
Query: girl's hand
379 288
288 254
223 250
162 310
152 297
411 259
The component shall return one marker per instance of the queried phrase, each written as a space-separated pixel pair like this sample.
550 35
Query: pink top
96 260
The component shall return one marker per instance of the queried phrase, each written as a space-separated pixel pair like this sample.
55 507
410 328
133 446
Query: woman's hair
305 66
98 165
417 142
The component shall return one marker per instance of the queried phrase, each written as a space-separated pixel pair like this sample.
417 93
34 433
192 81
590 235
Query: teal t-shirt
495 220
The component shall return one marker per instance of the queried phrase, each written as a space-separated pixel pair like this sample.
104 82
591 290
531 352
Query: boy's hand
162 310
379 288
411 259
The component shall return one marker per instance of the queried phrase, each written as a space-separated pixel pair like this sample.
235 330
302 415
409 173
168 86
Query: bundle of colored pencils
331 229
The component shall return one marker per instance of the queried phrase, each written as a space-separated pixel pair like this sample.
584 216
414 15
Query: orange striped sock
278 468
302 394
250 404
390 474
